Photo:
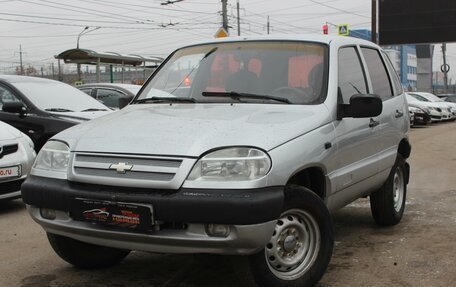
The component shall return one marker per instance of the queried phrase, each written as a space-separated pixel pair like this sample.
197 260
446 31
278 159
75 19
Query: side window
378 74
396 82
7 97
109 97
87 91
351 75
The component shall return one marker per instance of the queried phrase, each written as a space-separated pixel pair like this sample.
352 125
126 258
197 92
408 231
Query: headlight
231 164
416 110
53 157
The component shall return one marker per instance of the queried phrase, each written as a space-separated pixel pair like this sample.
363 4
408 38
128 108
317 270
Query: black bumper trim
222 206
10 186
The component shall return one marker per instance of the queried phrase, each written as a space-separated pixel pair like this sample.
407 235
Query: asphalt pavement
420 251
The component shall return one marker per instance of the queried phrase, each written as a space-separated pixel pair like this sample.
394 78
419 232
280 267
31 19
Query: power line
156 8
81 10
66 19
105 27
338 9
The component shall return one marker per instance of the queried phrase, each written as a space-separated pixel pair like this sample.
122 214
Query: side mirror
124 101
14 108
361 106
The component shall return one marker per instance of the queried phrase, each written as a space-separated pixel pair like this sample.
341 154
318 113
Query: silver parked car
16 157
239 146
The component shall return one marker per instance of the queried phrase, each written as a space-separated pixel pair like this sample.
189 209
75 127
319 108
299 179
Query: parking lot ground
420 251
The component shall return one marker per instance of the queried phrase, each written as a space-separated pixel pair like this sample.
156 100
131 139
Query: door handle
399 114
373 123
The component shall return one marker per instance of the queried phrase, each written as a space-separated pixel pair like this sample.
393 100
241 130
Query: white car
447 108
16 157
434 111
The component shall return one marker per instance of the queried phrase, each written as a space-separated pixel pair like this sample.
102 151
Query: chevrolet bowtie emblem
121 167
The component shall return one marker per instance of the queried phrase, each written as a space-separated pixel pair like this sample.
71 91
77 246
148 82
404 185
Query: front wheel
301 245
84 255
388 203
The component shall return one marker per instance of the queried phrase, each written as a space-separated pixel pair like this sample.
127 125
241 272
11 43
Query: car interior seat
243 81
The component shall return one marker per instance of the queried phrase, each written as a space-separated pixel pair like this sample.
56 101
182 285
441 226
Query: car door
393 121
356 150
30 124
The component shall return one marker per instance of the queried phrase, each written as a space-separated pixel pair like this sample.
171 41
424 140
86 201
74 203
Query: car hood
421 104
8 132
80 116
193 129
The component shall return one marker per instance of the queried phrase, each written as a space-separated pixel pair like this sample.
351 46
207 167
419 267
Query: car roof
24 79
318 38
113 85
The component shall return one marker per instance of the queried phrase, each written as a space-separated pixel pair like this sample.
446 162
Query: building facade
403 58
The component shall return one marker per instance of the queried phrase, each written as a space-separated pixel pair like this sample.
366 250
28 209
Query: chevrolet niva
240 146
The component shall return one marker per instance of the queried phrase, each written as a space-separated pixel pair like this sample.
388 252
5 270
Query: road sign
343 30
221 33
445 68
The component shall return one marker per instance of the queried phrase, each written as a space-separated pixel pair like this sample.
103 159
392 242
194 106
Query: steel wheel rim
294 246
398 189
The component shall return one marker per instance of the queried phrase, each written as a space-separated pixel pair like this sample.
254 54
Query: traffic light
325 29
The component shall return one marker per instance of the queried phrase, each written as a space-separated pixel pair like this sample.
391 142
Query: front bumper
421 118
251 215
242 240
11 189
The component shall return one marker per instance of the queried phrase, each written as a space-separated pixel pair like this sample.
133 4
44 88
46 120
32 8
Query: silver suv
241 146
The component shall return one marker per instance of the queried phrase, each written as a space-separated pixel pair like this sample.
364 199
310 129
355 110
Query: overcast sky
45 28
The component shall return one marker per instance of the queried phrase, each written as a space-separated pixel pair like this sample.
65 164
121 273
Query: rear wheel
300 248
84 255
388 203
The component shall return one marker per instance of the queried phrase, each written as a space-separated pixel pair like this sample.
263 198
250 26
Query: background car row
425 108
41 108
32 110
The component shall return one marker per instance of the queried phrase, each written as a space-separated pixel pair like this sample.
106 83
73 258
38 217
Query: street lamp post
79 36
83 32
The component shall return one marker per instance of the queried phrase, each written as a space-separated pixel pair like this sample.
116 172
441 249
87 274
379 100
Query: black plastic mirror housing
361 106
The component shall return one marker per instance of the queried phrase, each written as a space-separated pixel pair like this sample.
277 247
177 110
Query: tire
388 203
84 255
301 247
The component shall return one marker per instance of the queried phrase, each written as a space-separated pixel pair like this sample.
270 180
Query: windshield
451 99
58 97
419 97
278 72
431 97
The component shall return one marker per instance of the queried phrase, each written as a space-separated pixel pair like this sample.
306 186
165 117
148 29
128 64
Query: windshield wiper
58 110
238 96
93 110
165 99
195 67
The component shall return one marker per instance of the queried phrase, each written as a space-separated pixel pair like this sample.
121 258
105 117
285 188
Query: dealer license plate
10 171
125 215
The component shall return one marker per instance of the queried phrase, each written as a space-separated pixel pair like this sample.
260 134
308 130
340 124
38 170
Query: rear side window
394 77
379 77
87 91
109 97
352 80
